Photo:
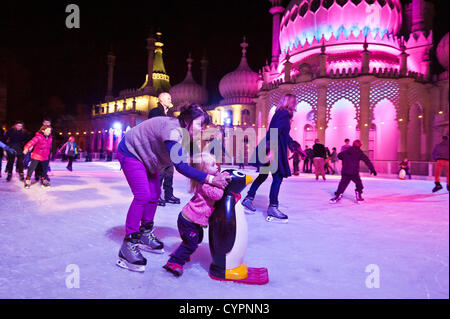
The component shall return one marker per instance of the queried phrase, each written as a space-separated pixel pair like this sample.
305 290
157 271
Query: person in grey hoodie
440 155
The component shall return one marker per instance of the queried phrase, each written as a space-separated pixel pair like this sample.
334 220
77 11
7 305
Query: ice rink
398 238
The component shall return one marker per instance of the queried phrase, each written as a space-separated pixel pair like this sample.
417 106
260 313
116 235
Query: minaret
276 11
111 61
151 52
204 68
161 81
418 15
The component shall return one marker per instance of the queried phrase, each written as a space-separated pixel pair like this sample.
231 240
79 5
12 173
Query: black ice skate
45 183
275 216
148 240
358 198
172 200
8 178
27 183
336 199
247 203
130 257
438 187
161 202
21 177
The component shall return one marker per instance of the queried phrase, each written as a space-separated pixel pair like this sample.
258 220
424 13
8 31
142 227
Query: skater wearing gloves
70 150
281 121
440 155
142 153
194 216
350 171
42 143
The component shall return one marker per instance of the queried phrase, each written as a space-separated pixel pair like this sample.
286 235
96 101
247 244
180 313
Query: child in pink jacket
194 216
42 143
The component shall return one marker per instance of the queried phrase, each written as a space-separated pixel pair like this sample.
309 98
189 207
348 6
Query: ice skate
336 199
247 203
27 183
148 240
8 178
358 198
21 177
438 187
130 257
45 183
274 215
175 269
161 202
172 200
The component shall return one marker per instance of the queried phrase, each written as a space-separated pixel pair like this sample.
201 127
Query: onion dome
442 51
306 20
188 91
241 85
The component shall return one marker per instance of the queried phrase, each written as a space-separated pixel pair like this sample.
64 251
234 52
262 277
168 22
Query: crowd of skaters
32 153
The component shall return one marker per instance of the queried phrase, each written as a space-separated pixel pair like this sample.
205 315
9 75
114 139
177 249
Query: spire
151 51
204 68
111 62
161 80
189 61
276 11
244 46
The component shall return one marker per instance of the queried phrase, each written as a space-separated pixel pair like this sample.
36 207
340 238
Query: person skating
142 153
319 156
4 147
15 138
308 153
2 134
38 171
296 155
350 171
440 155
166 174
327 164
194 216
70 150
404 165
42 143
333 160
346 146
281 121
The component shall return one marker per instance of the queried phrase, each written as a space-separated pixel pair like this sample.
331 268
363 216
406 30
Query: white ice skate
275 216
358 198
121 262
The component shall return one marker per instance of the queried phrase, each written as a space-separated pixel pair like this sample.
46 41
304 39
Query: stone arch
307 93
348 89
383 89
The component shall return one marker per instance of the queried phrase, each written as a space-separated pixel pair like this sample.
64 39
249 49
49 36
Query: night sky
50 64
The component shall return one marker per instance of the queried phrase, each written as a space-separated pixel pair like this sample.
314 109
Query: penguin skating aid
228 236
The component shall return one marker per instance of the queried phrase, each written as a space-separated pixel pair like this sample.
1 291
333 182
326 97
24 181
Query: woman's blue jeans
277 179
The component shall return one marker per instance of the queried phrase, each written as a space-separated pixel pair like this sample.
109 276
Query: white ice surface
322 252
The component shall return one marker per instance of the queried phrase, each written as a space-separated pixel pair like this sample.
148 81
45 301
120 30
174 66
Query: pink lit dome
442 51
306 20
188 91
241 85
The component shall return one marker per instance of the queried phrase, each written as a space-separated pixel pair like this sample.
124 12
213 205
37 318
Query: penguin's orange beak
248 179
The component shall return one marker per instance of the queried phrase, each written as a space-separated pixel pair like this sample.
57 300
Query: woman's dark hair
190 112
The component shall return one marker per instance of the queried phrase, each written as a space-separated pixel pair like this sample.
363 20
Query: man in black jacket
350 171
319 156
16 137
166 174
